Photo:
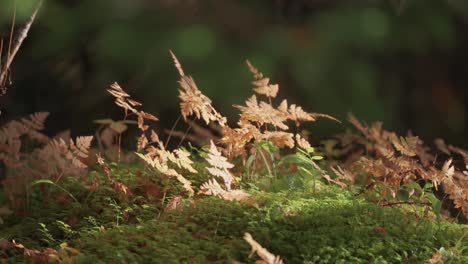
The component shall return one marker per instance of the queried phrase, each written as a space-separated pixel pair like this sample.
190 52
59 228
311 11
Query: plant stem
172 130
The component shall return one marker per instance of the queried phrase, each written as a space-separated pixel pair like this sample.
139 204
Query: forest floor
311 223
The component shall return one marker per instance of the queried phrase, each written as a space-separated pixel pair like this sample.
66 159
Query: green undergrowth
329 225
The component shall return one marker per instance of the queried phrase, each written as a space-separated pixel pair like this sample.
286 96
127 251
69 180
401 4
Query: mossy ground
329 225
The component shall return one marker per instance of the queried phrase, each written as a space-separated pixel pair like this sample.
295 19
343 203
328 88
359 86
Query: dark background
401 62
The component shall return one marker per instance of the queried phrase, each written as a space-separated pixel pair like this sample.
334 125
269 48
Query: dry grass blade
261 251
177 64
21 36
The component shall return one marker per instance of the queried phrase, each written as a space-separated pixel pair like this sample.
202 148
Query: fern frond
302 142
280 138
158 159
81 148
262 113
193 101
123 100
406 146
219 165
212 187
261 84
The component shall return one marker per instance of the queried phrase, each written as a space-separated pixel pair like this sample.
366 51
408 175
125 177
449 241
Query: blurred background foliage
403 62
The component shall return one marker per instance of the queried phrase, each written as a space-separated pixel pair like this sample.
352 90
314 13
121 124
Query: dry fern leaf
459 194
193 101
212 187
262 113
219 165
280 138
261 251
142 142
31 125
158 159
173 204
449 149
343 174
261 84
302 142
123 100
237 138
298 115
81 148
57 149
36 120
406 146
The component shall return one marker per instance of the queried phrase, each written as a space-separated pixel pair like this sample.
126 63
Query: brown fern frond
219 166
212 187
406 146
261 84
57 153
12 132
123 100
343 174
450 149
158 159
36 120
142 142
81 148
280 138
302 142
236 139
262 113
193 101
298 115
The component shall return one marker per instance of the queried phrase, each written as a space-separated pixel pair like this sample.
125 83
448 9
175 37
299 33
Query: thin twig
185 134
172 130
12 31
1 52
21 36
399 203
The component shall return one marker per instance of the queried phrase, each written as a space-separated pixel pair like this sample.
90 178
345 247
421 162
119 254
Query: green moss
330 226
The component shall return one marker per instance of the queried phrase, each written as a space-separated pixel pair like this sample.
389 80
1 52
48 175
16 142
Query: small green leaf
317 158
403 195
413 185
